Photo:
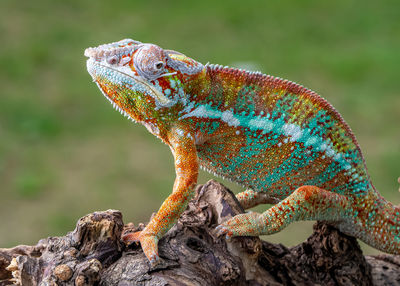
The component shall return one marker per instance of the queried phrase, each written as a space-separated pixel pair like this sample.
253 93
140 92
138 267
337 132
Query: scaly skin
283 142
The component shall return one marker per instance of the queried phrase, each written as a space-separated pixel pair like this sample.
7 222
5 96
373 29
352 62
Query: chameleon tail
376 221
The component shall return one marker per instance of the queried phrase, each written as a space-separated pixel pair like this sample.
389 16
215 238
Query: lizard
282 142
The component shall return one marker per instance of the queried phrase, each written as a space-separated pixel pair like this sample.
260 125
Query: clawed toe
223 230
131 238
154 260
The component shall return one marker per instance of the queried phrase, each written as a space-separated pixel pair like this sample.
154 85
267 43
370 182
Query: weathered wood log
93 254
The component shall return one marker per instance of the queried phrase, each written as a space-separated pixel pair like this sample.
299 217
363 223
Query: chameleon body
285 144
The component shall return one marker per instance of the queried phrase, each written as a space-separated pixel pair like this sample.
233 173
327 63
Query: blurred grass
64 152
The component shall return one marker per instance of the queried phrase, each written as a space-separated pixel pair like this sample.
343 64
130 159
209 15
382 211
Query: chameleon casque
282 142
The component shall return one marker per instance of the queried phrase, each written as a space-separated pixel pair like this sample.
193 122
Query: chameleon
282 142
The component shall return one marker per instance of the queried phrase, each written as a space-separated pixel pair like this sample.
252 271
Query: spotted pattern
282 141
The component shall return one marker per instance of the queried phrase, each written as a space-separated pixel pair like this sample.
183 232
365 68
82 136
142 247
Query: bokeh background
64 151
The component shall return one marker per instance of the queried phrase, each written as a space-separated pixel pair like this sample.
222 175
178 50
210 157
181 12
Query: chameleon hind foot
249 199
240 225
305 203
149 243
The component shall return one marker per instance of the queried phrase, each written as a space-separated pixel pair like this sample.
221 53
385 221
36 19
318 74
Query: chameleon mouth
119 76
93 69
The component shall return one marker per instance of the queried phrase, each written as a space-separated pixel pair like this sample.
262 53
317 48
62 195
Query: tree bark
93 254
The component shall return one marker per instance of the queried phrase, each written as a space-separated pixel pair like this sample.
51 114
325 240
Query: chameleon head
140 79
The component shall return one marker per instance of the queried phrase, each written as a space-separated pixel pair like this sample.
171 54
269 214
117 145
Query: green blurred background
64 151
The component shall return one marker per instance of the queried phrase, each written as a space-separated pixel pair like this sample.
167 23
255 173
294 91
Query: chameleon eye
159 65
149 61
113 60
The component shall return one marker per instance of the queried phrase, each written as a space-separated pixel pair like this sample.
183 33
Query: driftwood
93 254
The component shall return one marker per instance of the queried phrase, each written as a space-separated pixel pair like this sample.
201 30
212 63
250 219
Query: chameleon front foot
131 237
148 242
240 225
